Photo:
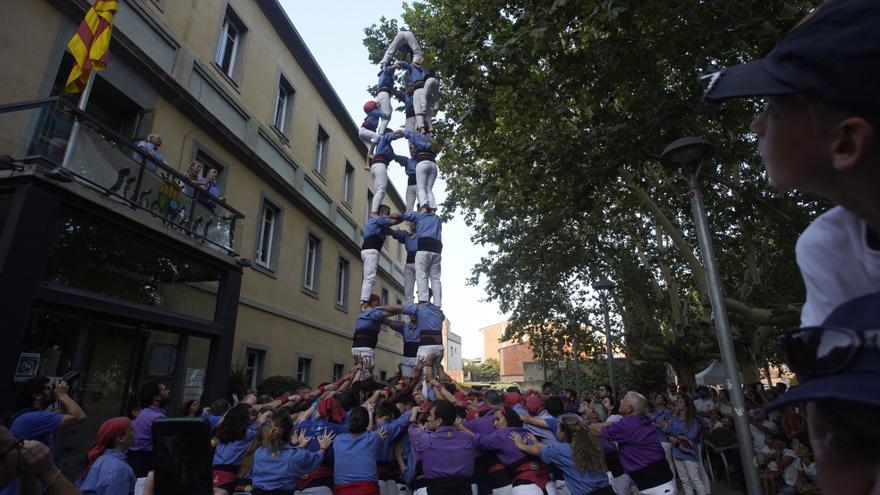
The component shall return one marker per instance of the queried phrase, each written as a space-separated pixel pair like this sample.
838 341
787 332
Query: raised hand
326 439
517 439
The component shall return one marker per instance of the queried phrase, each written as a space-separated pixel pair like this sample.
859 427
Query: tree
554 115
489 371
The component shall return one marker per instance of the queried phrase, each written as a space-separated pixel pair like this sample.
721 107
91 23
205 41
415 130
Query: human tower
422 334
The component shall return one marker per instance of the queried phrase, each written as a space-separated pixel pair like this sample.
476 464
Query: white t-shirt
809 470
790 472
704 405
836 263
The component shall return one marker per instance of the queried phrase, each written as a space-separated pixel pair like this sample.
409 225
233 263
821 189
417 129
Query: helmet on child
370 106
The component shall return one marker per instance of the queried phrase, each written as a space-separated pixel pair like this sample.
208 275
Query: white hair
638 402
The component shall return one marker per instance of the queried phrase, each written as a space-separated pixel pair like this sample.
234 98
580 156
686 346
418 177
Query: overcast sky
334 33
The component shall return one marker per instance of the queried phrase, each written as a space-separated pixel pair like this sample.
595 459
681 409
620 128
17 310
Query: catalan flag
90 45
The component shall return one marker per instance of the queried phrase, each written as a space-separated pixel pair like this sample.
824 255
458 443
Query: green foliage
279 384
489 371
237 381
644 377
554 116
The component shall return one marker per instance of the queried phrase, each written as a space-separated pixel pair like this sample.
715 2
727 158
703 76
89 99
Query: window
342 283
282 105
268 226
253 369
399 316
384 296
321 150
347 182
229 49
338 371
313 253
304 370
369 205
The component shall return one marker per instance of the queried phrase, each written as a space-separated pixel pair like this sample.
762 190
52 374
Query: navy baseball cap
845 353
832 56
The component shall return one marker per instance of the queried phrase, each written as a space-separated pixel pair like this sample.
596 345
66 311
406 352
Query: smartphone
183 456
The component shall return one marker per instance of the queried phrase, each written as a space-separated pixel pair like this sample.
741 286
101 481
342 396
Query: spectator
724 403
190 408
684 434
704 403
106 471
153 396
780 467
807 477
151 146
194 176
211 192
34 421
215 413
723 440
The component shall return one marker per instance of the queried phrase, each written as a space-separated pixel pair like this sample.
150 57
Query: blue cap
858 382
832 57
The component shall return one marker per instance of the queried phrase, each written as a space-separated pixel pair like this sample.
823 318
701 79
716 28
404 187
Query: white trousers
622 485
367 136
384 101
411 196
425 102
421 491
410 123
504 490
533 489
400 39
690 476
667 488
427 268
391 487
426 174
316 490
409 282
370 259
407 366
379 173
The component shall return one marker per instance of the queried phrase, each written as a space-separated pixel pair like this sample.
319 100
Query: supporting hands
325 440
300 440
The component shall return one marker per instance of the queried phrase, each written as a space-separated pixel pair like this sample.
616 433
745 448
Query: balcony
40 132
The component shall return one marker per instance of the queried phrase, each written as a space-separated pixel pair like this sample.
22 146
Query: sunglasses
823 350
16 443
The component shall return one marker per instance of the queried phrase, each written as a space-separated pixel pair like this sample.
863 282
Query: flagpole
74 131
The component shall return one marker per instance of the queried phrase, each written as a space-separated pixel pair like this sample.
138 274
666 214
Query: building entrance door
108 370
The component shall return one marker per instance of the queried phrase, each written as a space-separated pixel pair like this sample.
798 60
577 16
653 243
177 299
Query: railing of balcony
39 132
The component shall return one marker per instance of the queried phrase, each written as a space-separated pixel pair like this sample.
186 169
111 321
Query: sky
334 33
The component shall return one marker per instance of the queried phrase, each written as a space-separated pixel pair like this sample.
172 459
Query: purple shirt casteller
637 442
500 442
143 428
445 453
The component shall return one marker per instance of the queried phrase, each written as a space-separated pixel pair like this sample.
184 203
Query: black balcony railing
39 132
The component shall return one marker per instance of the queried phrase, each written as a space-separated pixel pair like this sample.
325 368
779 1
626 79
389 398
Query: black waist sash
652 475
430 245
373 242
449 486
411 349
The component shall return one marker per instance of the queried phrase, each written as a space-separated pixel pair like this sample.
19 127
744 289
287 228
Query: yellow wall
23 55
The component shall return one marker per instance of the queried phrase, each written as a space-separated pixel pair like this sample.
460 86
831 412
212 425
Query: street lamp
689 154
605 286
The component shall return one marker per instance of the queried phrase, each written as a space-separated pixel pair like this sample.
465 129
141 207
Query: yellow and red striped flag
90 45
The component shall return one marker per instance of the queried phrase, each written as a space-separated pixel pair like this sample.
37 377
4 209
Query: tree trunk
685 372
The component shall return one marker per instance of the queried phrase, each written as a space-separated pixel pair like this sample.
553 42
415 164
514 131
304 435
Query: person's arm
392 308
35 460
73 414
531 420
596 428
531 449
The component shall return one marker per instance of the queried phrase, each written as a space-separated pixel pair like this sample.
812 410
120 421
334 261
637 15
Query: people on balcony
151 146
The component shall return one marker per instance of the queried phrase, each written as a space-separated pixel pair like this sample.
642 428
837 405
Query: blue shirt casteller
407 329
428 225
386 78
578 481
392 431
410 242
429 318
383 147
422 142
280 470
417 74
355 457
372 119
109 475
377 226
317 428
230 453
657 417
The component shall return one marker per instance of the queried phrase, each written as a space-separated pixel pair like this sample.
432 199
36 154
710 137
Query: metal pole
725 339
74 130
610 352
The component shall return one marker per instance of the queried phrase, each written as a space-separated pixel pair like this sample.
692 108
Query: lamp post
689 154
605 286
